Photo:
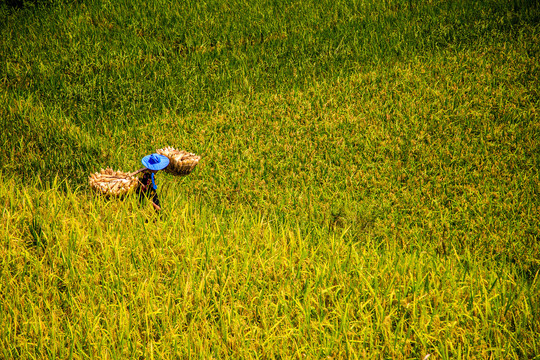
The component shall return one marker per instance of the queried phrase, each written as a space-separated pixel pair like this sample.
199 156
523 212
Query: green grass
369 186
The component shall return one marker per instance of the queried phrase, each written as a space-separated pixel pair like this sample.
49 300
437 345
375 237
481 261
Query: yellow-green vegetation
368 187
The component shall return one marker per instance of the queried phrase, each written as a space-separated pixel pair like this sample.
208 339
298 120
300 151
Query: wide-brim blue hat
155 161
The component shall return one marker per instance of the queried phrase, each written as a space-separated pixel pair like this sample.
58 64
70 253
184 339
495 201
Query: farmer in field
153 164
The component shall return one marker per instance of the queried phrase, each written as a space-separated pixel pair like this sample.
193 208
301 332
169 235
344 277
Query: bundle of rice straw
181 162
115 183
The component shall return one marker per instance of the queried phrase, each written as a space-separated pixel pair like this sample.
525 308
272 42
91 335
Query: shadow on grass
20 4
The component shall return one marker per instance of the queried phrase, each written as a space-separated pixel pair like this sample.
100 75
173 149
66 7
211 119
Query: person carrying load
147 189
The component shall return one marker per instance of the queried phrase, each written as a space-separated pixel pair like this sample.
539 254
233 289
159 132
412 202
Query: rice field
368 184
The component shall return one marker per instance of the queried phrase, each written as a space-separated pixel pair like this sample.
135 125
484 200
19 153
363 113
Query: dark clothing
146 190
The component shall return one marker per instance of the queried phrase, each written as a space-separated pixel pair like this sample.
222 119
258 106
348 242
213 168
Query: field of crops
368 189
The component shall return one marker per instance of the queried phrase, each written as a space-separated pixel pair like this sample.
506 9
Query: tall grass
368 189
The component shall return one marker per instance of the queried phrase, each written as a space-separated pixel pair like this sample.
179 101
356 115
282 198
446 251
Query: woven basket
113 183
181 163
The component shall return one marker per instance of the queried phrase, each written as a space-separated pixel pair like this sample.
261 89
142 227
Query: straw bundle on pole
114 183
181 162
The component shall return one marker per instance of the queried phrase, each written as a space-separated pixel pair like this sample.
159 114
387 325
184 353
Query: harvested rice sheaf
115 183
181 162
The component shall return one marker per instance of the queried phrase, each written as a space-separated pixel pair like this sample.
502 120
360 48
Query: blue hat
155 162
